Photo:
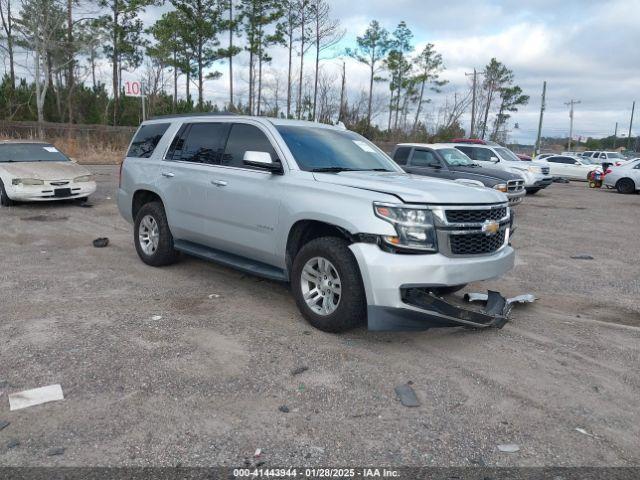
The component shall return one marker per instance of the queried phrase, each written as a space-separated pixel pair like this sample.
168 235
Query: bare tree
326 33
303 25
6 17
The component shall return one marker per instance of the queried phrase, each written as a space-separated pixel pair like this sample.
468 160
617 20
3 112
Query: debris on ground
584 432
55 451
13 443
483 297
101 242
283 409
560 180
509 448
213 295
35 396
407 395
299 370
44 218
155 318
258 453
4 424
581 257
85 205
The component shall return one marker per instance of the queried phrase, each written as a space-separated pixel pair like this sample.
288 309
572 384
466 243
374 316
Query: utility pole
473 101
571 103
615 136
633 109
542 107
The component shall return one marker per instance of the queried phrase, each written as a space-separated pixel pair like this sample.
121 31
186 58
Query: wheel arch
141 197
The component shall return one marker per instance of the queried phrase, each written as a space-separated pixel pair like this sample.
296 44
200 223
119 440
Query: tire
350 306
5 201
163 254
532 191
447 290
625 185
82 200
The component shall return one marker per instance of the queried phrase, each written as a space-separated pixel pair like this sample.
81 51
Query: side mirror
261 160
494 159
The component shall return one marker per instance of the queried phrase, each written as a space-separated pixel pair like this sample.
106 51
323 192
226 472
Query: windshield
507 154
455 157
323 149
30 152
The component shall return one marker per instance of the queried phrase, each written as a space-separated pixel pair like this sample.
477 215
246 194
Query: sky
586 50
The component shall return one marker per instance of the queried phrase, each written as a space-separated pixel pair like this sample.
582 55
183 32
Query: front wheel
625 185
532 191
152 236
327 285
5 201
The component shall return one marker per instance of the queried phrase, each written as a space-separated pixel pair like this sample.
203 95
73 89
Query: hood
490 175
414 188
44 170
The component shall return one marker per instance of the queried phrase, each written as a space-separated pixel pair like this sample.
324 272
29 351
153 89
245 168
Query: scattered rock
55 451
581 257
213 295
4 424
306 332
13 443
509 448
299 370
283 409
258 453
155 318
407 396
101 242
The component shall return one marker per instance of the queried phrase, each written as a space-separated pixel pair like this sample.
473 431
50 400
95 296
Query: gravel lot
203 384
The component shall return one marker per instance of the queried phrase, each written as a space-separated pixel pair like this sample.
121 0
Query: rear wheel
152 236
625 185
327 286
5 201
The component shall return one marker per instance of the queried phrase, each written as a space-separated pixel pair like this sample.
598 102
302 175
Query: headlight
502 187
414 227
83 178
27 181
534 169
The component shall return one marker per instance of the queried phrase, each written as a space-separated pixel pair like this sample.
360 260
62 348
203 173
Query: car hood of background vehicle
44 170
492 174
414 188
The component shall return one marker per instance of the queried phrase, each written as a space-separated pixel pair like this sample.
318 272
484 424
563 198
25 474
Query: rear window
401 155
30 152
146 140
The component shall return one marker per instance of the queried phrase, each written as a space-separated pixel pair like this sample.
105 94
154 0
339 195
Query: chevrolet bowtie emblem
490 227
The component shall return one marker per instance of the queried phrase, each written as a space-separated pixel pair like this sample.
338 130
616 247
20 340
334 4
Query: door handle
168 174
219 183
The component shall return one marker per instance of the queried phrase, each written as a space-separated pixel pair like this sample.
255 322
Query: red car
525 158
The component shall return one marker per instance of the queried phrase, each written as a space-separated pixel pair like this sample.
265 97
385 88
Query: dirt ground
203 384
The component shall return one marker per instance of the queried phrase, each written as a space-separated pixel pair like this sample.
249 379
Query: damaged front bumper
396 287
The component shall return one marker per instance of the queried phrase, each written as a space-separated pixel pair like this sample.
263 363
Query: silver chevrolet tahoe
317 206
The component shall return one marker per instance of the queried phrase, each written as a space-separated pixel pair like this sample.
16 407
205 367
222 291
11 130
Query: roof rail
195 114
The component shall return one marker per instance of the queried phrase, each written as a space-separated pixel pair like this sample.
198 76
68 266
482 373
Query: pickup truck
317 206
442 161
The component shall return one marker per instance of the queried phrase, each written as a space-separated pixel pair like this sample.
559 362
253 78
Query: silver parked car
314 205
625 178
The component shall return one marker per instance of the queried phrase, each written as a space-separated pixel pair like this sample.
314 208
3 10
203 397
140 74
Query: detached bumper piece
437 313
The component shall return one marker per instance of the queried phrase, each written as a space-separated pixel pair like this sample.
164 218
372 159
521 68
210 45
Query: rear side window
243 138
146 140
401 155
476 153
204 143
423 158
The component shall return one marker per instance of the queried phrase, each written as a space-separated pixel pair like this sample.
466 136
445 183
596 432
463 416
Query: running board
230 260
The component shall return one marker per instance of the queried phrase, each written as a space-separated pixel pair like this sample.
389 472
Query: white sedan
570 167
37 171
625 178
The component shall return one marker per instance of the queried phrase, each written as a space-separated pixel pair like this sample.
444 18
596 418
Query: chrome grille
476 216
515 185
476 243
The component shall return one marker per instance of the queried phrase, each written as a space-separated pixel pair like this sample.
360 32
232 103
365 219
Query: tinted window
477 153
244 138
30 152
468 151
401 155
204 143
146 140
423 158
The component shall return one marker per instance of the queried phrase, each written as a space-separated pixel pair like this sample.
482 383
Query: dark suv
442 161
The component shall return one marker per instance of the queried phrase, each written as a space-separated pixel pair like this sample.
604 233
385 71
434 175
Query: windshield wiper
334 169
